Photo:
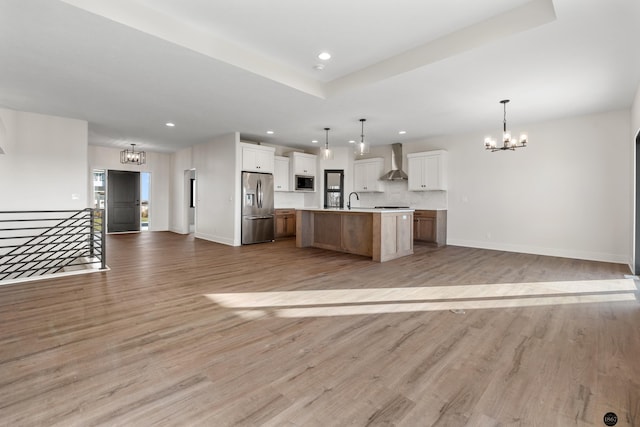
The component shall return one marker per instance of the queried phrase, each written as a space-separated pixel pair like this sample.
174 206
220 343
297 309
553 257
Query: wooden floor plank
551 341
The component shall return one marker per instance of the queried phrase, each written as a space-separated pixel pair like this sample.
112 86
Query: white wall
159 166
566 194
217 165
45 162
635 115
635 128
181 161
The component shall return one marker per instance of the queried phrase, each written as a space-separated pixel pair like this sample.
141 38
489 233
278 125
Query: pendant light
507 142
362 147
327 154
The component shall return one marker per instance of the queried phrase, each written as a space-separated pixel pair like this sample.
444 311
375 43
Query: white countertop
356 209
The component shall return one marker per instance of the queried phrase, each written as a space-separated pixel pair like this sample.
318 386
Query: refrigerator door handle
260 195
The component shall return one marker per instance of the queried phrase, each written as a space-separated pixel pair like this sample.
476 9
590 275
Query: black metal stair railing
36 243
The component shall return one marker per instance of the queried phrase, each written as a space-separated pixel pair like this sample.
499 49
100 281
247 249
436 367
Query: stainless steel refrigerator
257 208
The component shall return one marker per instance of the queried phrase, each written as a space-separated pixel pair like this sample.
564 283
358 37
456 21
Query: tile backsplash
396 194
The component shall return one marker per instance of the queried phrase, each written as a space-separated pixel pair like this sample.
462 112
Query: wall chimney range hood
396 173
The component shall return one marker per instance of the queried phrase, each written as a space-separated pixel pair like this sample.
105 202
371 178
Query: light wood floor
188 332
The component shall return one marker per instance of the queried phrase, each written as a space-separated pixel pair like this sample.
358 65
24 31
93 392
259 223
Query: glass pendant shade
327 154
363 147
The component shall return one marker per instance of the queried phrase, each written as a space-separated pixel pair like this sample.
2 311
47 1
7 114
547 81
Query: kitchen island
382 234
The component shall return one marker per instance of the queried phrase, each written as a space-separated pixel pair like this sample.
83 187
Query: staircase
42 243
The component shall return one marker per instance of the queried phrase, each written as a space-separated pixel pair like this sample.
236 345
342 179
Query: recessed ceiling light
402 132
318 67
352 142
325 56
315 141
270 132
170 124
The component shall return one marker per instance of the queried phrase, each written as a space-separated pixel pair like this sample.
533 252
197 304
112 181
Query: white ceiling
429 67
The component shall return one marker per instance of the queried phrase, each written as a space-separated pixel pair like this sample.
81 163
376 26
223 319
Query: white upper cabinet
366 175
257 158
281 174
303 164
427 171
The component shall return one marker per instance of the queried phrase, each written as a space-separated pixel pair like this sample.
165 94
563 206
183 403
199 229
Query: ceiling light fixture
170 124
362 147
324 56
327 154
132 156
351 141
508 143
402 132
270 132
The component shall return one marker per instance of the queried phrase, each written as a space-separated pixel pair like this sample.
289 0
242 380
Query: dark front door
123 201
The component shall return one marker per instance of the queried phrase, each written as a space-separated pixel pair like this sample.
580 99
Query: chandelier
507 142
132 156
362 147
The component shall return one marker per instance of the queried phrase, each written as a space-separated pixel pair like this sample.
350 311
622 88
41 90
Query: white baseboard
216 239
53 276
177 231
563 253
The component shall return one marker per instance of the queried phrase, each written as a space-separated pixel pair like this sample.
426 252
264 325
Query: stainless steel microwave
305 183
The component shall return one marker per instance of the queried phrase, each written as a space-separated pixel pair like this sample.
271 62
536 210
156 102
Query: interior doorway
123 201
190 201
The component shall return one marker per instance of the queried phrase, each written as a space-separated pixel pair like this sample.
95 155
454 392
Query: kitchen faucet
349 202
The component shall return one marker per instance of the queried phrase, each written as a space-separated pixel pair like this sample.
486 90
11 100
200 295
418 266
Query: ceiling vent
396 173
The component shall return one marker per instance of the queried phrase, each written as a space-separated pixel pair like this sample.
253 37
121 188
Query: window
333 188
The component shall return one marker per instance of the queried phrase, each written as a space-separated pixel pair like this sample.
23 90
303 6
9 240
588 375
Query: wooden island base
381 234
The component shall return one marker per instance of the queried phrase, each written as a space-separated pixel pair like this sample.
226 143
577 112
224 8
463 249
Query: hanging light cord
504 122
326 144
